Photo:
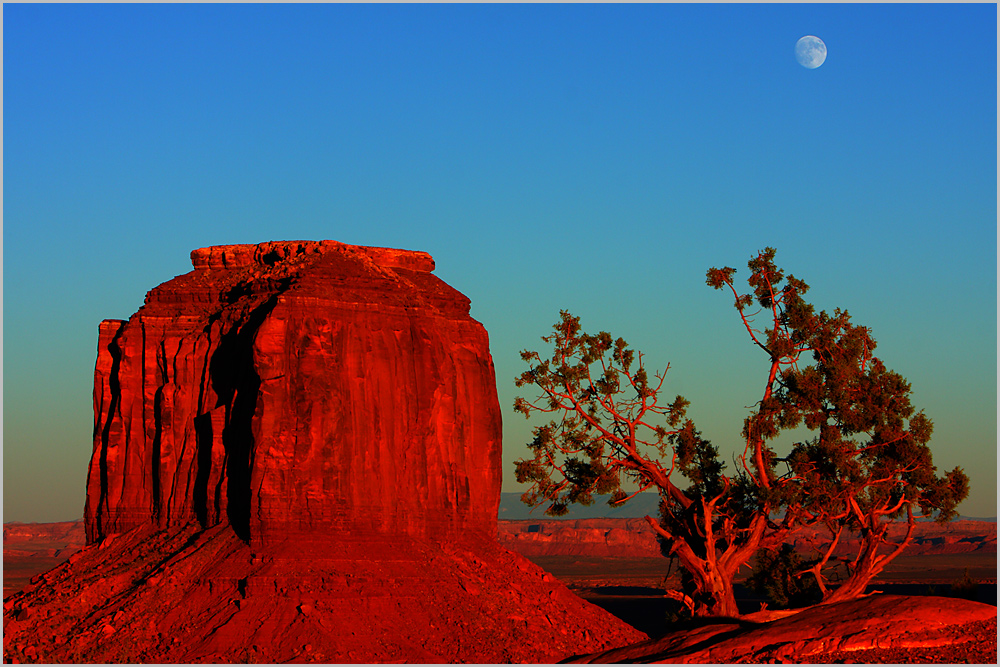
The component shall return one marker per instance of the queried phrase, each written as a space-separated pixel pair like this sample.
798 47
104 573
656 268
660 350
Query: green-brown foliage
869 462
777 575
866 463
609 425
966 588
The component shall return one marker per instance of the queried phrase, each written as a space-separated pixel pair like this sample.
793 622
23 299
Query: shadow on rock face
298 448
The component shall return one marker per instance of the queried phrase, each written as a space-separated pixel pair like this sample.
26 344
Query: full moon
810 51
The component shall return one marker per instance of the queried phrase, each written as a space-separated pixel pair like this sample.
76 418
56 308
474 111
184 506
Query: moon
810 51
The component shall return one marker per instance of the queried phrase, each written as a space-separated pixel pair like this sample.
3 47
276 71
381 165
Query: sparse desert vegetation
864 467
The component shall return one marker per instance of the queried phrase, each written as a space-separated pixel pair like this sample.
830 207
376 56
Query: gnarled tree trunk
712 574
868 563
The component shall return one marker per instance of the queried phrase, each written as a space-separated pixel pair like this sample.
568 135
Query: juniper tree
868 463
610 427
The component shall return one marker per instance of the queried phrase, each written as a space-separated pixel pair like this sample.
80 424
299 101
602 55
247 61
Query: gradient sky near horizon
595 158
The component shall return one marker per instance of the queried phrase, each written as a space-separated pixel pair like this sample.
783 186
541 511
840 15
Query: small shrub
676 613
774 575
966 588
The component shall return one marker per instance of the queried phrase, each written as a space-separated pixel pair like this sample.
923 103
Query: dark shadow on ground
647 610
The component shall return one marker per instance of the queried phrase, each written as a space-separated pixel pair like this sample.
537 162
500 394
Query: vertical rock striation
297 390
297 459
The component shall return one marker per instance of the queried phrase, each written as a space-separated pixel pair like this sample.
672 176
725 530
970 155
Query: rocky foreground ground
190 595
878 628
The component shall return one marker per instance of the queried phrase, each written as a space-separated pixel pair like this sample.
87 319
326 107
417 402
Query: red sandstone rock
878 621
294 389
190 595
297 459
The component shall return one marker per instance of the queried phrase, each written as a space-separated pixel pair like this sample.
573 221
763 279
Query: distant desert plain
605 560
615 563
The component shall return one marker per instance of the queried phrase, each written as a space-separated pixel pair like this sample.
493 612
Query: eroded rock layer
806 635
297 459
191 595
295 389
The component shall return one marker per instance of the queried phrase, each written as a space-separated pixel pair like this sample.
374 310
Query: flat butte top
328 271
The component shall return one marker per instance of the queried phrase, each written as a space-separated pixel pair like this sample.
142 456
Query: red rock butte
294 390
297 458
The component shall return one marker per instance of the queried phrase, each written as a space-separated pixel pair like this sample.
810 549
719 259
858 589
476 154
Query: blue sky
596 158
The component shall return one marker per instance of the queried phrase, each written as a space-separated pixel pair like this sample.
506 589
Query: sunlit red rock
297 458
852 627
185 594
295 389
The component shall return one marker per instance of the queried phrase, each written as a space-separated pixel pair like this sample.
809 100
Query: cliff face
297 459
296 390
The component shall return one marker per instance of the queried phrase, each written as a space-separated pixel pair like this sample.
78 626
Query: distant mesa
297 458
